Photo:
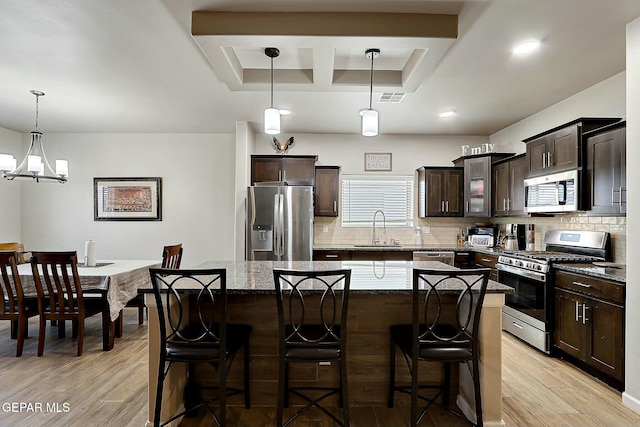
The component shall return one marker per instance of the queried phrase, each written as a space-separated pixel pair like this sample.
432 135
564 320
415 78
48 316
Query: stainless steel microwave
552 193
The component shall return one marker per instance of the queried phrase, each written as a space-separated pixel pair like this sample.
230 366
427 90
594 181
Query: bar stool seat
436 336
312 333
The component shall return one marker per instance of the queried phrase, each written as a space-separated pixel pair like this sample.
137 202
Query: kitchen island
380 297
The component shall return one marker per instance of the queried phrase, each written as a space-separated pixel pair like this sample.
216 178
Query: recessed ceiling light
284 112
449 113
526 47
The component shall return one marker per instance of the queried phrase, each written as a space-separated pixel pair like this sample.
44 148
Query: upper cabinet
327 191
508 186
559 149
291 170
606 183
477 183
440 191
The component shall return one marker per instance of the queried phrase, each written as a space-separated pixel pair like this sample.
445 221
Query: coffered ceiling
199 65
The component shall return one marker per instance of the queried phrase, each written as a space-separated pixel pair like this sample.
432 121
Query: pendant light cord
37 103
371 83
272 82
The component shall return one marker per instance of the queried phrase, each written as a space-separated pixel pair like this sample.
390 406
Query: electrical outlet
426 230
325 228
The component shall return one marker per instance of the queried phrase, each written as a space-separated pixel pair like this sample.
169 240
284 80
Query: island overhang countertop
368 277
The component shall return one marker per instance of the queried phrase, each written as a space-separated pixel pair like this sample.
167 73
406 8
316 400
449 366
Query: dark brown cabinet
440 191
589 324
331 255
477 183
559 149
482 260
291 170
327 191
508 186
606 182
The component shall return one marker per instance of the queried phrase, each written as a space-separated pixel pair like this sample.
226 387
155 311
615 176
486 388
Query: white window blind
362 196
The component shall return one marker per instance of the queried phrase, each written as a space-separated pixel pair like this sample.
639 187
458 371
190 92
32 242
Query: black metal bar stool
197 332
312 333
434 336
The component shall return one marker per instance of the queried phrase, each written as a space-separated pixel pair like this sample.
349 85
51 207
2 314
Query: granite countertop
616 272
367 277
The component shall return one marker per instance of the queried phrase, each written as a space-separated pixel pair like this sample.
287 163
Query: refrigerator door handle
281 225
276 215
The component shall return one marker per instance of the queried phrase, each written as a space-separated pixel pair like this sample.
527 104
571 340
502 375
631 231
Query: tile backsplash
444 231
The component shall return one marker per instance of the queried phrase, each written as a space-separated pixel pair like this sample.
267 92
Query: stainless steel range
528 312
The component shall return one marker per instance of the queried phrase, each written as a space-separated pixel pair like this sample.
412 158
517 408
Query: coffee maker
517 233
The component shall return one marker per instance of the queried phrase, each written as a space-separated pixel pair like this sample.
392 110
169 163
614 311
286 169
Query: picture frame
378 162
127 199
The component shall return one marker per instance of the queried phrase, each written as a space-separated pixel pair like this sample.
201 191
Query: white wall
197 180
10 192
346 150
605 99
631 395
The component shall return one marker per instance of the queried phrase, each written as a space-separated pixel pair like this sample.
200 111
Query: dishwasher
447 257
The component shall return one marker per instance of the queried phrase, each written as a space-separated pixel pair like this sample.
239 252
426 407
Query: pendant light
35 165
271 114
370 116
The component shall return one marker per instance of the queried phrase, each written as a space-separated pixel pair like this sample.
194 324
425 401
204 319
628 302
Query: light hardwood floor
110 388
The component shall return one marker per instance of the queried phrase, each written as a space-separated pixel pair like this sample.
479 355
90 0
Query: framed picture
127 199
377 162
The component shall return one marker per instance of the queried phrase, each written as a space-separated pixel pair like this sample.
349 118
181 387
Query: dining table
379 297
115 280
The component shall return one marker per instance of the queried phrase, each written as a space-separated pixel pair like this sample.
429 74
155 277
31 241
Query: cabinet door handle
508 205
544 160
486 260
447 206
613 196
549 159
621 190
279 175
467 203
504 204
335 206
331 256
582 285
577 312
442 206
584 314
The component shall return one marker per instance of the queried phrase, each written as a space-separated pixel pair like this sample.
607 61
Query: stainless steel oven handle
517 326
540 277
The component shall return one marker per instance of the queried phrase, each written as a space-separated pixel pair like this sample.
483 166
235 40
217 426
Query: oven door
530 297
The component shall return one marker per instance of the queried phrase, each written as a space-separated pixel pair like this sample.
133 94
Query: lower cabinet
482 260
589 324
346 255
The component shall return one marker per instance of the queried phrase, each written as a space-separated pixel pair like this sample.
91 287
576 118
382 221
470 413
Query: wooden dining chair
312 328
439 335
60 296
14 246
171 258
195 330
16 307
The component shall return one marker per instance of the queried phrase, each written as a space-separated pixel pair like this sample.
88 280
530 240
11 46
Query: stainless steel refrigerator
280 223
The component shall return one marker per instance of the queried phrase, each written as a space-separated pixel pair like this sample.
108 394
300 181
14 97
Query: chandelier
35 165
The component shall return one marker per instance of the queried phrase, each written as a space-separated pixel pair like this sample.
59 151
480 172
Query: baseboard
631 402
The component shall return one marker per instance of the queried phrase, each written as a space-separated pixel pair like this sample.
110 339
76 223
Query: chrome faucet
374 241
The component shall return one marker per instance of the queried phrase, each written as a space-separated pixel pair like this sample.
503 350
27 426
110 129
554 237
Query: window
362 196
